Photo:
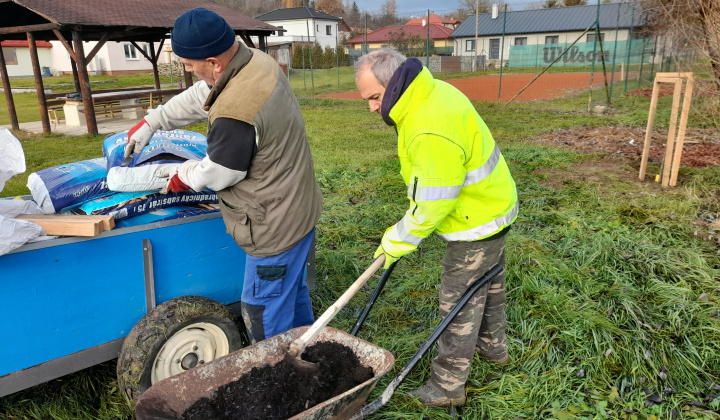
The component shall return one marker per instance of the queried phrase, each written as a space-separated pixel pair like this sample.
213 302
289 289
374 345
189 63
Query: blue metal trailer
72 301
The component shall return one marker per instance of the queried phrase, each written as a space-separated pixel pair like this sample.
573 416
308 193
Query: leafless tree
694 23
467 7
389 8
331 7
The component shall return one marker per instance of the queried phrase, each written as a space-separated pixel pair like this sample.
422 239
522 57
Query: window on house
130 52
328 30
521 40
495 49
591 37
554 39
10 56
147 49
470 45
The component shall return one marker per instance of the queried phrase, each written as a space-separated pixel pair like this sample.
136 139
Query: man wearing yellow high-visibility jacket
460 188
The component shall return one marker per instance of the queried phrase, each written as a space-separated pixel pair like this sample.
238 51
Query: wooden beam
670 148
648 130
155 58
681 132
70 225
142 51
246 39
8 93
85 84
97 47
29 28
106 221
66 44
44 116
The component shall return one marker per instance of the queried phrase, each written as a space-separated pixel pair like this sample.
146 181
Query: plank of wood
71 225
107 220
67 228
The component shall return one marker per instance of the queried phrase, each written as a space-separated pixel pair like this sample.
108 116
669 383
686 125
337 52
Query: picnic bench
130 103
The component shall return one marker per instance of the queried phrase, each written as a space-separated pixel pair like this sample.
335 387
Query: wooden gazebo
74 21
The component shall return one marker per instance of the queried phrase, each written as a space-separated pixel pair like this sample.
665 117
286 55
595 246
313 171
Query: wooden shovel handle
298 346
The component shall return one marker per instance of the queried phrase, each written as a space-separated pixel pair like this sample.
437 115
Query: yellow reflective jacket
459 185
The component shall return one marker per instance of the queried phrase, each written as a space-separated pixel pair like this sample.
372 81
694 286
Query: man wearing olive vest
459 188
258 160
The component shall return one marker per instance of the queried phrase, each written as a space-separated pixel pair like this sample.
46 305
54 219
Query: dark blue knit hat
201 33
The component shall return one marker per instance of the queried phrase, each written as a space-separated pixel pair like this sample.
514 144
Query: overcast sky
420 7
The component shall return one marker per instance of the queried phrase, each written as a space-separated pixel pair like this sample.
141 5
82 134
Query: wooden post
76 76
669 148
648 130
85 91
8 93
188 79
673 149
44 116
681 132
154 59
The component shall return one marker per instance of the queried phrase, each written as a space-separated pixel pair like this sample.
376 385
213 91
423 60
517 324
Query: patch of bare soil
668 89
282 391
621 151
701 147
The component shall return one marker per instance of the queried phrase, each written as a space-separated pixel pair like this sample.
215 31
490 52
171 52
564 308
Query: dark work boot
432 396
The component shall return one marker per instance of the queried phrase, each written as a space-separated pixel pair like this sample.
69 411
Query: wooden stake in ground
673 151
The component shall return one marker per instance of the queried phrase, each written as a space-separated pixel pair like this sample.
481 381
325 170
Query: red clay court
485 88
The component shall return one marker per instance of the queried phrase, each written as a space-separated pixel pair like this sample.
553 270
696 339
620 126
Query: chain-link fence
616 54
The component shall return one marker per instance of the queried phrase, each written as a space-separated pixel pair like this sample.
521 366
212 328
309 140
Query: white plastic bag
12 158
14 233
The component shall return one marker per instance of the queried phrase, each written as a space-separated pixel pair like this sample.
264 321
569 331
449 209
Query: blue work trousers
275 296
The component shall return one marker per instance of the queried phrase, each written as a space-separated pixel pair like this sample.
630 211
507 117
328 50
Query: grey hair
382 63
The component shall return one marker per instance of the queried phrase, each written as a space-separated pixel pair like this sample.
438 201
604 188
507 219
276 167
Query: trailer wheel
174 337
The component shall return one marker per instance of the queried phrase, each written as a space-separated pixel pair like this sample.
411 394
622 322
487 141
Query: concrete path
106 125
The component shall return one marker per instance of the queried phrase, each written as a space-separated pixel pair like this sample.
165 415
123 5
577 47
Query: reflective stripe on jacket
459 185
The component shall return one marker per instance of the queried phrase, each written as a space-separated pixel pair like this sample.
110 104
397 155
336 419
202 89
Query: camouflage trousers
481 323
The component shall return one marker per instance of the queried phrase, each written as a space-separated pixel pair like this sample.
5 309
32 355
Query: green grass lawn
612 300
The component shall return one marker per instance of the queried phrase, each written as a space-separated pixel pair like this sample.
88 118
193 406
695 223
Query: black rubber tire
141 346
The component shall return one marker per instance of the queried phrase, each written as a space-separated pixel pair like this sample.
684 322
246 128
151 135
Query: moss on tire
141 346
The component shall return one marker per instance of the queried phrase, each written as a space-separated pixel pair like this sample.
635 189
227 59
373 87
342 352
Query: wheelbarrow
170 398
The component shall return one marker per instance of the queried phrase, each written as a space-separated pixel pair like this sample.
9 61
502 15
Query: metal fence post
502 51
629 47
427 42
592 67
612 75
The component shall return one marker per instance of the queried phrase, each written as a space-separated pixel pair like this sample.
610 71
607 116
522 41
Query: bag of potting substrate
59 187
164 147
124 205
168 213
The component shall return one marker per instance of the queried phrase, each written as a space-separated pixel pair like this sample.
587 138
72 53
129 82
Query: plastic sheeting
14 233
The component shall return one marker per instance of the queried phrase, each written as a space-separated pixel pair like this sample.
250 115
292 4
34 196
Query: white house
536 38
113 58
302 23
17 57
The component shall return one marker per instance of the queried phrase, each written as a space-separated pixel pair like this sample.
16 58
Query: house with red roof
408 38
17 57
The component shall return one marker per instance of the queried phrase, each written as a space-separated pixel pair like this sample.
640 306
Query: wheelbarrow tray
169 398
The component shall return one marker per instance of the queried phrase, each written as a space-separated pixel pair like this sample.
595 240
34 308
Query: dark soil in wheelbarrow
282 391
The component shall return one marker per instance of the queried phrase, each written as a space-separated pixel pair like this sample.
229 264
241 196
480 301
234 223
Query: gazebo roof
127 20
